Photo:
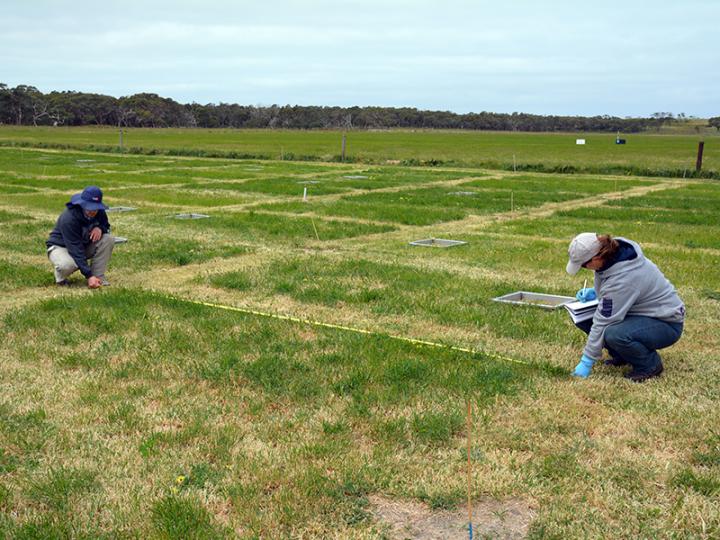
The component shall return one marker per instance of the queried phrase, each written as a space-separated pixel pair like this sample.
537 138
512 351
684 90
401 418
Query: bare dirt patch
506 520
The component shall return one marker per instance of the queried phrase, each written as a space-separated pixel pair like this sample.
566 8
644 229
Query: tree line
26 105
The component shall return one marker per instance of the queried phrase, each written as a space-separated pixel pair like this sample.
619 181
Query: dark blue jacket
72 231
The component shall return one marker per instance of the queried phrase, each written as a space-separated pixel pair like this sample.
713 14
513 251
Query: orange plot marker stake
469 468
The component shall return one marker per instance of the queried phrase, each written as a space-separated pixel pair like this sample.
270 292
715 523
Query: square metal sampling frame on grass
190 216
437 242
541 300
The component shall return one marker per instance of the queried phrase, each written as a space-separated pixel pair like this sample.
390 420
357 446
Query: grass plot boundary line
323 324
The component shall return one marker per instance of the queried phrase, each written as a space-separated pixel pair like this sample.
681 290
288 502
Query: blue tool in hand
586 293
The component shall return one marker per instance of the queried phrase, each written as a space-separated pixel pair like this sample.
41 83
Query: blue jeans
637 339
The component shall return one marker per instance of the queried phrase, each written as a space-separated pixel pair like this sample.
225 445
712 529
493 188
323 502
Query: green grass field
313 409
645 153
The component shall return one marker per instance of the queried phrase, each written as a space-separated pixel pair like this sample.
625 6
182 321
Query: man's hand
94 282
95 234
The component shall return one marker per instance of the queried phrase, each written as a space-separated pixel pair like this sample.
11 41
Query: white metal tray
541 300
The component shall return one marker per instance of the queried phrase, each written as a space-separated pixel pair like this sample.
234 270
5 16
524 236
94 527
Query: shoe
616 362
635 376
63 283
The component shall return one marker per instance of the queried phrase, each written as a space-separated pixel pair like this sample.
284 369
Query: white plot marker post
304 194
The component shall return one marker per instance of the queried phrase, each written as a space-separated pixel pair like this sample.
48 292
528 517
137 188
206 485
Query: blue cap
90 199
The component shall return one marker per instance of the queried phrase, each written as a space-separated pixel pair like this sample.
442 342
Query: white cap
582 248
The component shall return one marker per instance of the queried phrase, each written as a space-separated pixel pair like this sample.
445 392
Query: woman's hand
586 294
584 367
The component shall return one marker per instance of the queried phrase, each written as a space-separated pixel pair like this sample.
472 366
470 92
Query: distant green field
643 154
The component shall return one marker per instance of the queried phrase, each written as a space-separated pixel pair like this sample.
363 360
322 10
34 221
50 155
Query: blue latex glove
586 294
584 368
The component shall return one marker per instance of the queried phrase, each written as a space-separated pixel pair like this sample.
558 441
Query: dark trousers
636 340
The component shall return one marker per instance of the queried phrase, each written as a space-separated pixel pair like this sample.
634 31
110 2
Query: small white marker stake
314 228
305 194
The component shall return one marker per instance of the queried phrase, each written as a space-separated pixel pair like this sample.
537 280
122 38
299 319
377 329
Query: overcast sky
624 58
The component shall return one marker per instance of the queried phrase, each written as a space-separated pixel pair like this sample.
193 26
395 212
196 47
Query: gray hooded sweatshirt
634 286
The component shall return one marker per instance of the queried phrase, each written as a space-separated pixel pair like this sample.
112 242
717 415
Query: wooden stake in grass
469 468
698 163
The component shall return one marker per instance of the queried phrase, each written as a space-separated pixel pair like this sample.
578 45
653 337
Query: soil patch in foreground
506 520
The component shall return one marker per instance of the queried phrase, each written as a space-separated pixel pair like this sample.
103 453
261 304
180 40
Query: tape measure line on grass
322 324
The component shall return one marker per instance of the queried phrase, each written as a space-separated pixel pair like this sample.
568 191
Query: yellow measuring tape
247 311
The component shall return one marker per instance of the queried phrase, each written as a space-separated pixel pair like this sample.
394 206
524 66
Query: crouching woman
638 312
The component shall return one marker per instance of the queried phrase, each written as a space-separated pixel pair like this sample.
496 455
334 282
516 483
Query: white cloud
629 57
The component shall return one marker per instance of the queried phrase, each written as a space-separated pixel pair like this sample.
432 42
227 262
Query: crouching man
81 239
